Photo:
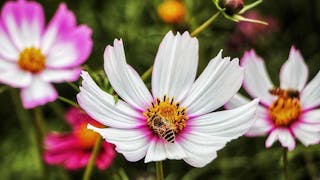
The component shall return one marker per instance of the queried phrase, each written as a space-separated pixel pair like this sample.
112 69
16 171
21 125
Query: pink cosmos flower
287 112
249 33
33 56
73 150
177 120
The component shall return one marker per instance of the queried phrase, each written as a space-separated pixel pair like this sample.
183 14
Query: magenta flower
287 112
33 56
73 150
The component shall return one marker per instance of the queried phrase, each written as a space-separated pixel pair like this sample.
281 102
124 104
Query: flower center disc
164 115
87 138
286 109
31 59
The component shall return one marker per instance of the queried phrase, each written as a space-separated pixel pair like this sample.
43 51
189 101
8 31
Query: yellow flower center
286 109
166 118
31 59
87 138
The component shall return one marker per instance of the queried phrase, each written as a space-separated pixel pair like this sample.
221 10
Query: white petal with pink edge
262 124
175 66
256 79
7 49
38 93
70 51
62 23
124 79
200 148
12 75
284 136
294 72
220 80
228 124
132 143
160 150
101 106
210 132
60 75
307 130
310 96
24 22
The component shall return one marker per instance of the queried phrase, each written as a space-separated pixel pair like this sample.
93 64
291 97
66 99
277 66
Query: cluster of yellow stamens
168 109
31 59
286 109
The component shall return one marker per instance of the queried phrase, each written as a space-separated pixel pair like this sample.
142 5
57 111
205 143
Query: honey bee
162 127
290 93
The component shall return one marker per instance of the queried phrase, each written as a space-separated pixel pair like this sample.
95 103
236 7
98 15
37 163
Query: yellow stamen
286 109
31 59
168 109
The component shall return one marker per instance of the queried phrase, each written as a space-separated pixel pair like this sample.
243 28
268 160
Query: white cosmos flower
287 112
180 103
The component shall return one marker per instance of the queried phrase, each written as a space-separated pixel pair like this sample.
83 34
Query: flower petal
8 51
229 124
101 106
160 150
210 132
24 21
12 75
294 72
262 125
220 80
132 143
200 148
308 129
256 79
124 79
175 66
106 156
65 43
285 137
38 93
60 75
310 96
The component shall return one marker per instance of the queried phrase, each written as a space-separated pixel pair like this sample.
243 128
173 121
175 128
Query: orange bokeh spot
172 11
87 138
31 59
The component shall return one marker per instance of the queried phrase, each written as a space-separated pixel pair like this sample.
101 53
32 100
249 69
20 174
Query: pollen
169 110
286 109
31 59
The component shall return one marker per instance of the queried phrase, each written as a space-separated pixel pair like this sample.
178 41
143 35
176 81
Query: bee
290 93
162 127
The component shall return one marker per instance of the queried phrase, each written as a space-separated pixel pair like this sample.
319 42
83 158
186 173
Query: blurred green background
138 24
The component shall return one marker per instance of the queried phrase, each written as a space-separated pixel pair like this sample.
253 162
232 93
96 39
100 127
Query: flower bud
232 6
172 11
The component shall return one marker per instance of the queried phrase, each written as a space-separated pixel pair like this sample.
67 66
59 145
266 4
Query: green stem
39 123
95 152
285 163
159 170
40 132
68 101
205 25
147 73
75 87
24 119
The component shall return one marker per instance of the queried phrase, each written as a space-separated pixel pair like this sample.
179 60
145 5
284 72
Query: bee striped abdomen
169 136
